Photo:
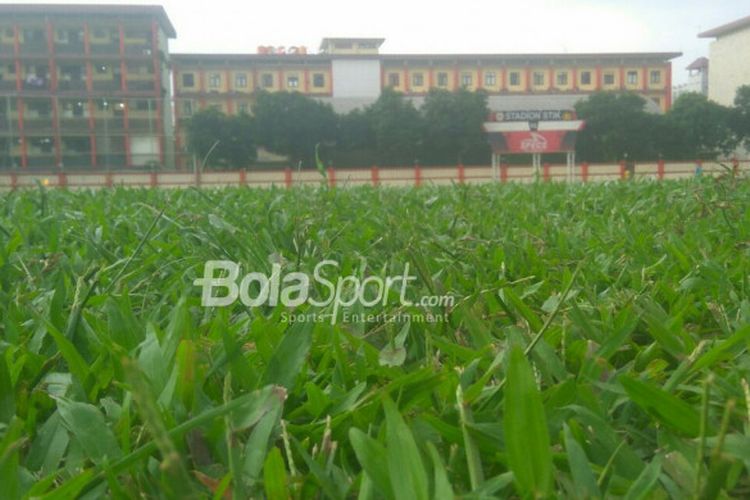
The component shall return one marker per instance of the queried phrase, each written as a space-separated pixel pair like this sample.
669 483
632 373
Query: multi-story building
697 79
84 86
729 66
350 73
94 86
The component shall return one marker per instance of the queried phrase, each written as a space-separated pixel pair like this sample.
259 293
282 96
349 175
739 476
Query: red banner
547 141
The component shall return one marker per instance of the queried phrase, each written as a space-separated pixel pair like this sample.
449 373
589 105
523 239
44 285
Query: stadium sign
553 115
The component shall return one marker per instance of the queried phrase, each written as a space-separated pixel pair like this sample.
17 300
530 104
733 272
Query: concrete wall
729 67
355 78
346 177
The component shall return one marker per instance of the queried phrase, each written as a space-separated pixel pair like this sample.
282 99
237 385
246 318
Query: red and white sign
518 138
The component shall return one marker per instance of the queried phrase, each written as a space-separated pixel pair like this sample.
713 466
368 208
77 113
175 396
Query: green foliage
453 127
702 128
630 385
618 126
398 129
291 124
223 141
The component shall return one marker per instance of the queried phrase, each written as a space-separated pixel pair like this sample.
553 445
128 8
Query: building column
17 57
21 133
123 65
528 79
598 76
668 88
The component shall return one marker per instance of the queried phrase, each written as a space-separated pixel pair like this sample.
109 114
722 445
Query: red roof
156 12
726 28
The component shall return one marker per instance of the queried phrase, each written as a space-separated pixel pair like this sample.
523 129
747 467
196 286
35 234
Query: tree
355 139
232 137
741 116
397 129
617 125
704 127
453 127
291 124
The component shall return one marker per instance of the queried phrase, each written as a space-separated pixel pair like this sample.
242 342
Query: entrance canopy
536 133
533 137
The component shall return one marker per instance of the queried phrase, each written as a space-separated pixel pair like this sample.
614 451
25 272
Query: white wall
729 66
356 78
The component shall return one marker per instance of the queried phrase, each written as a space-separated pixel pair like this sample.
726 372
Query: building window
586 78
187 108
417 79
466 79
319 80
656 77
490 79
102 69
188 79
243 108
393 79
266 80
514 78
292 82
240 80
538 79
609 78
442 79
562 79
632 78
214 80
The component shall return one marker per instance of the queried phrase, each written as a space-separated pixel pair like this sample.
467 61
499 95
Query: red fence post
546 172
736 167
62 180
243 177
331 177
375 175
417 174
108 180
288 177
153 180
622 169
660 170
504 172
585 171
13 181
461 173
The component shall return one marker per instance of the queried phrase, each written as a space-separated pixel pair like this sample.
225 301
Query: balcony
7 48
107 85
38 83
77 48
71 85
139 50
34 48
105 48
141 85
7 85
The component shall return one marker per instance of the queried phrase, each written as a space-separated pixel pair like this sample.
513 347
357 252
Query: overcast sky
475 26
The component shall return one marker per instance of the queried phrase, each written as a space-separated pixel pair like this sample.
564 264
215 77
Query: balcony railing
68 85
114 84
70 48
105 48
34 48
141 85
75 123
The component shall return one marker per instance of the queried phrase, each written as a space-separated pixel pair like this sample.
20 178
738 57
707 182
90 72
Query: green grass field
597 346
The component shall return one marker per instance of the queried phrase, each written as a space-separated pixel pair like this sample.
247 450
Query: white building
697 79
729 68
